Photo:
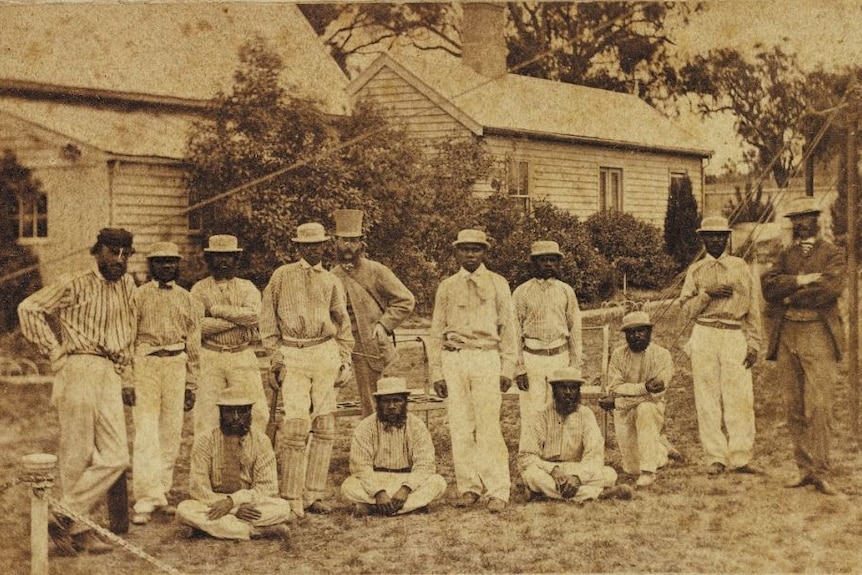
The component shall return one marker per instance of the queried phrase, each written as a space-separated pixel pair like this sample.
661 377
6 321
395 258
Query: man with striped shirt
233 480
550 327
167 364
719 294
392 461
92 377
228 332
306 331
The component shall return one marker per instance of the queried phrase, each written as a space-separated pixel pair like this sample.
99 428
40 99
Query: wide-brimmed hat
391 386
544 248
636 319
802 206
233 395
472 237
348 223
164 250
115 237
566 375
223 243
310 233
714 225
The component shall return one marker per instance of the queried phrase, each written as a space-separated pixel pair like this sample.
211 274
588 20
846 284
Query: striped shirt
95 317
408 447
169 319
473 311
742 308
550 437
258 475
302 302
628 372
232 308
548 313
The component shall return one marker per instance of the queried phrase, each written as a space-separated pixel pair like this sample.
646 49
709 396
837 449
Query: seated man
638 375
392 462
233 481
562 452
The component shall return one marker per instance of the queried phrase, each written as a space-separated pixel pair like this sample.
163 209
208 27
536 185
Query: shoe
58 530
807 479
535 496
825 487
91 543
748 469
496 505
363 509
467 499
141 518
645 479
189 532
318 507
424 510
621 492
675 455
279 531
715 468
168 510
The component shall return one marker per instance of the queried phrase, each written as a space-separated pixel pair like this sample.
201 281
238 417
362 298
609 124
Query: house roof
536 107
180 50
142 133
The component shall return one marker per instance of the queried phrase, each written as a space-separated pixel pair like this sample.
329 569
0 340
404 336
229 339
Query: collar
708 256
99 275
170 285
306 266
544 281
480 271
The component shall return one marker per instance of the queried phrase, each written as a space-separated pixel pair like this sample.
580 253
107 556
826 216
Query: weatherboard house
99 104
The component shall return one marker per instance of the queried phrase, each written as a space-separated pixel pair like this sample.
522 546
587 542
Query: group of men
164 350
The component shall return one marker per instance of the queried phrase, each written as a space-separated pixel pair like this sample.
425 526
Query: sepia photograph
430 287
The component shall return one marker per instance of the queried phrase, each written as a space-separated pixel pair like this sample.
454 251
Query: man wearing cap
377 302
92 377
550 328
167 366
233 480
719 294
392 461
562 451
638 375
228 333
305 329
472 351
802 290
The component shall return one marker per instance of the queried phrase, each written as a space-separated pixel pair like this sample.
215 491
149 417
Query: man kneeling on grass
233 480
392 461
562 452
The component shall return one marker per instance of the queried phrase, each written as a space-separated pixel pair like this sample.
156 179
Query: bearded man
377 302
233 480
392 459
562 452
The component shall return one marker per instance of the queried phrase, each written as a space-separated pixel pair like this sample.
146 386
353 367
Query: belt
166 353
389 470
228 348
548 352
301 343
718 324
795 314
488 347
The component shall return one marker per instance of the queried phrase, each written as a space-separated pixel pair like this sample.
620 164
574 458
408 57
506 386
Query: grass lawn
685 523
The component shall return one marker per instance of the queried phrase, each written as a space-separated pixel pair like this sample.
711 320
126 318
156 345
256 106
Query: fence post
39 475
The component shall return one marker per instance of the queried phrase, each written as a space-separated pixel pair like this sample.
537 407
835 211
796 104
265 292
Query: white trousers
160 384
638 432
220 369
431 489
722 393
93 449
194 513
479 452
539 395
539 480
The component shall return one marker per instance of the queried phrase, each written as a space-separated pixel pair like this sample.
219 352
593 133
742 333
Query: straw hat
714 224
566 375
223 243
310 233
391 386
472 237
636 319
164 250
545 247
802 206
232 395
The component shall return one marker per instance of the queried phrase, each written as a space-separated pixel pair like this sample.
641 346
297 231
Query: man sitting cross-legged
392 462
562 452
233 481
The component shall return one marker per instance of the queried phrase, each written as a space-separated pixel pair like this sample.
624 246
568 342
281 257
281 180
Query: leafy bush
681 222
634 247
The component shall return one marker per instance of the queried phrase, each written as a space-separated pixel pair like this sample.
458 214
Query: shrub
681 222
634 247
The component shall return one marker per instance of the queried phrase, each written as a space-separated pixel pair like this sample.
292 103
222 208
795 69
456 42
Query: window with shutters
610 189
30 215
519 183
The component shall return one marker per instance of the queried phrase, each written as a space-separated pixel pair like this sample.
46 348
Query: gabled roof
180 50
535 107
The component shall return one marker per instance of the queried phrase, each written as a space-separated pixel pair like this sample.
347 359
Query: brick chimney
483 45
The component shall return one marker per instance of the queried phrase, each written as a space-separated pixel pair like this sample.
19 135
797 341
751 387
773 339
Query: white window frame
610 188
519 182
31 218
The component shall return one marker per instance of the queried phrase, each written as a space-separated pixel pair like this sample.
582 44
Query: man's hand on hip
522 382
505 384
189 401
750 358
440 388
129 396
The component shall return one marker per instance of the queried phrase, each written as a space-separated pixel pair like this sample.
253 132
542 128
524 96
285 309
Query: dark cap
115 237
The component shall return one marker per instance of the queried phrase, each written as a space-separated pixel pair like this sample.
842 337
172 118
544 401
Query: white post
38 473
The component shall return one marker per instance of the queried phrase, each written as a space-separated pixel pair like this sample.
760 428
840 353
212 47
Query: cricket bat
118 505
272 424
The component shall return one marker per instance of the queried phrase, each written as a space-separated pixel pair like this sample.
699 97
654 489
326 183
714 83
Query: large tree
620 46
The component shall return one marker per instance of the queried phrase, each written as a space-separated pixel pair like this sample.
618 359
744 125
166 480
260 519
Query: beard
112 272
393 421
638 346
237 429
565 408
